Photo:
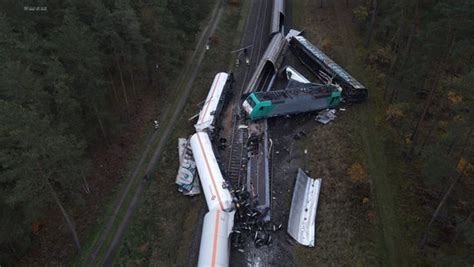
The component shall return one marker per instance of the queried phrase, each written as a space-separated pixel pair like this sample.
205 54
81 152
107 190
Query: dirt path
184 84
346 29
385 201
118 206
189 77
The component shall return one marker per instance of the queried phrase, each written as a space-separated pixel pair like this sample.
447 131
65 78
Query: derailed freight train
219 220
212 182
326 69
299 99
214 102
215 245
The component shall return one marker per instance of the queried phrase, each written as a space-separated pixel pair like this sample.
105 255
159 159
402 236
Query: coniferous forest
422 53
70 73
72 76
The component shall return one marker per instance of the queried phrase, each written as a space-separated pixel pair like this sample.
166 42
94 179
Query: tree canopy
65 74
429 48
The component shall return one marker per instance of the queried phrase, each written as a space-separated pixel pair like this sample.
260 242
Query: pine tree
77 49
38 163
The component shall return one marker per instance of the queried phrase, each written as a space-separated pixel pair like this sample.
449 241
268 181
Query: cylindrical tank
207 115
217 195
215 244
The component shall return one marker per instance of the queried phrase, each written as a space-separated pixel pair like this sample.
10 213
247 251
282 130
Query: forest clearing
95 94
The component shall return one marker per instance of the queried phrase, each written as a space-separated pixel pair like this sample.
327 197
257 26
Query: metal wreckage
241 212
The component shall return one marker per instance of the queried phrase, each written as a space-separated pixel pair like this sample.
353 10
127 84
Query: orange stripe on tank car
216 235
210 173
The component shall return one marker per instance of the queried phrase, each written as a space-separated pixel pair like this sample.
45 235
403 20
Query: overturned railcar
215 189
301 98
220 88
278 17
326 69
267 66
292 74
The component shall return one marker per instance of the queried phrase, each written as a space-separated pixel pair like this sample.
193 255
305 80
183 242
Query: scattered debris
250 222
292 74
292 33
193 117
302 220
299 135
187 178
326 116
195 188
222 143
182 143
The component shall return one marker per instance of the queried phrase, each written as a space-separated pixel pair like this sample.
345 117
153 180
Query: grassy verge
297 11
383 220
161 233
397 217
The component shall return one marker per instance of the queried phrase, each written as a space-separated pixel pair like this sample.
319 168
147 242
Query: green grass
297 11
374 158
166 221
363 140
391 238
398 215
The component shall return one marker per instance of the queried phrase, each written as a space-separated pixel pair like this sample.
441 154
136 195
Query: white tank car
217 195
215 245
212 105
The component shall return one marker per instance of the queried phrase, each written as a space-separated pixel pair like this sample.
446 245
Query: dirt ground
345 206
357 222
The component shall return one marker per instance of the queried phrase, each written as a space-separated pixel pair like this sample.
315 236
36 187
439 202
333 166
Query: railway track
237 159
